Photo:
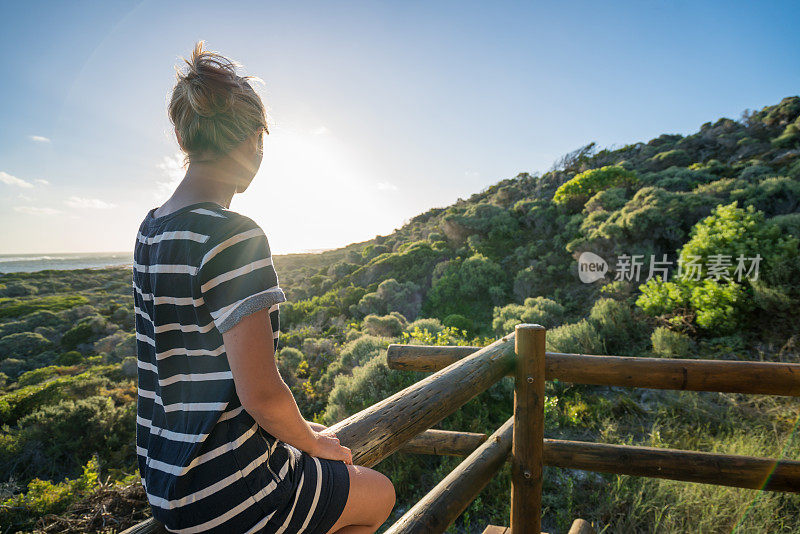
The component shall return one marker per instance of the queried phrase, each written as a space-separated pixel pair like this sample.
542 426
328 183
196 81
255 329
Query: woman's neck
203 182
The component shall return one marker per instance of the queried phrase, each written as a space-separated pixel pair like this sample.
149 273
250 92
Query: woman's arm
264 394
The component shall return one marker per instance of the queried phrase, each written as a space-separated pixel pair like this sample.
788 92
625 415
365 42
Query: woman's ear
178 137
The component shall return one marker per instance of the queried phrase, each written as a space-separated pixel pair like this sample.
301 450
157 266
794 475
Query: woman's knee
385 489
371 493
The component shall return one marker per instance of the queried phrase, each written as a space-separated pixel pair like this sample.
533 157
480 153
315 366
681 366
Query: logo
591 267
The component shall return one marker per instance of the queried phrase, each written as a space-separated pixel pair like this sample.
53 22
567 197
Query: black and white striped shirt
206 465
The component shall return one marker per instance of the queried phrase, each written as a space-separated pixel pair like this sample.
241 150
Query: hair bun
212 107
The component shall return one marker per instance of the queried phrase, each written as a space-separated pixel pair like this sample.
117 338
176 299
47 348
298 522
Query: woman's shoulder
230 224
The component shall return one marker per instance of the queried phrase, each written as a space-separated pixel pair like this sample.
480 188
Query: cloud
41 181
13 180
88 203
172 167
321 130
25 197
39 139
386 186
36 210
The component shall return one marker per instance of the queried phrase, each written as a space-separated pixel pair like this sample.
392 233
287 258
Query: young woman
221 444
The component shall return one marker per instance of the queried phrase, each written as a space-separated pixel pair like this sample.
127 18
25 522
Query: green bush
387 325
14 307
80 333
669 343
581 337
70 358
370 383
44 497
30 398
23 345
470 287
719 301
55 440
537 310
430 324
586 184
459 322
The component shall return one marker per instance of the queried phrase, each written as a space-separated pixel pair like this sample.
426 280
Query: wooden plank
381 429
149 526
494 529
526 456
581 526
435 512
768 378
433 358
690 466
444 443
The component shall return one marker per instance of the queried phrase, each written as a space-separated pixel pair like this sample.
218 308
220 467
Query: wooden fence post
526 466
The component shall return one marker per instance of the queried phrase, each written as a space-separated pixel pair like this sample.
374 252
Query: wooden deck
579 526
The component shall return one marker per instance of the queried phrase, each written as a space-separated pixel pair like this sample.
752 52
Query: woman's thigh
370 501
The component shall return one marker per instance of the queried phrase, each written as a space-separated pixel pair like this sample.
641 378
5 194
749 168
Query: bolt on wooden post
528 440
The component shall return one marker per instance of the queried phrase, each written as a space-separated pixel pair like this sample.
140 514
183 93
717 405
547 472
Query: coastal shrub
37 376
391 295
429 324
369 383
361 350
18 289
30 398
23 345
537 310
13 367
670 343
71 357
616 323
578 190
387 325
580 337
772 196
41 318
80 333
788 223
373 251
55 440
470 287
15 307
458 322
44 497
607 200
670 158
319 351
290 357
720 299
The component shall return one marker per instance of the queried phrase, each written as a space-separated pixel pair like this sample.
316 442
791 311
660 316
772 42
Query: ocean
13 263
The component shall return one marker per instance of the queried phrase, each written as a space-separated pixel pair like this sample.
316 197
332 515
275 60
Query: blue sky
379 110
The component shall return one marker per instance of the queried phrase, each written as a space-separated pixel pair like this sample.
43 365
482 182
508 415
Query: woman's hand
327 446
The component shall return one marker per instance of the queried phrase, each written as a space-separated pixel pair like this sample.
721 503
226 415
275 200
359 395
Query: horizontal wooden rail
444 443
690 466
379 430
445 502
629 371
425 357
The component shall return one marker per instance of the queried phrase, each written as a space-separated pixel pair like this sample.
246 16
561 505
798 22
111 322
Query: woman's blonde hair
214 109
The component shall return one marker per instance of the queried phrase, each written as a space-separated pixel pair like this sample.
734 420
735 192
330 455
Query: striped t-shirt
205 463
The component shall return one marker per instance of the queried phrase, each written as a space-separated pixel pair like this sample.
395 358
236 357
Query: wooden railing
403 422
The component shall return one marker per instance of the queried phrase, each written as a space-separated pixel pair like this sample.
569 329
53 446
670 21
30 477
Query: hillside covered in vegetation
466 274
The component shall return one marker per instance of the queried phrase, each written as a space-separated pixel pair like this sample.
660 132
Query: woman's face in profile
254 161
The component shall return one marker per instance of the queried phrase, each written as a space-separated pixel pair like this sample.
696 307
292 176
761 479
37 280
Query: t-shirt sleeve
236 275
